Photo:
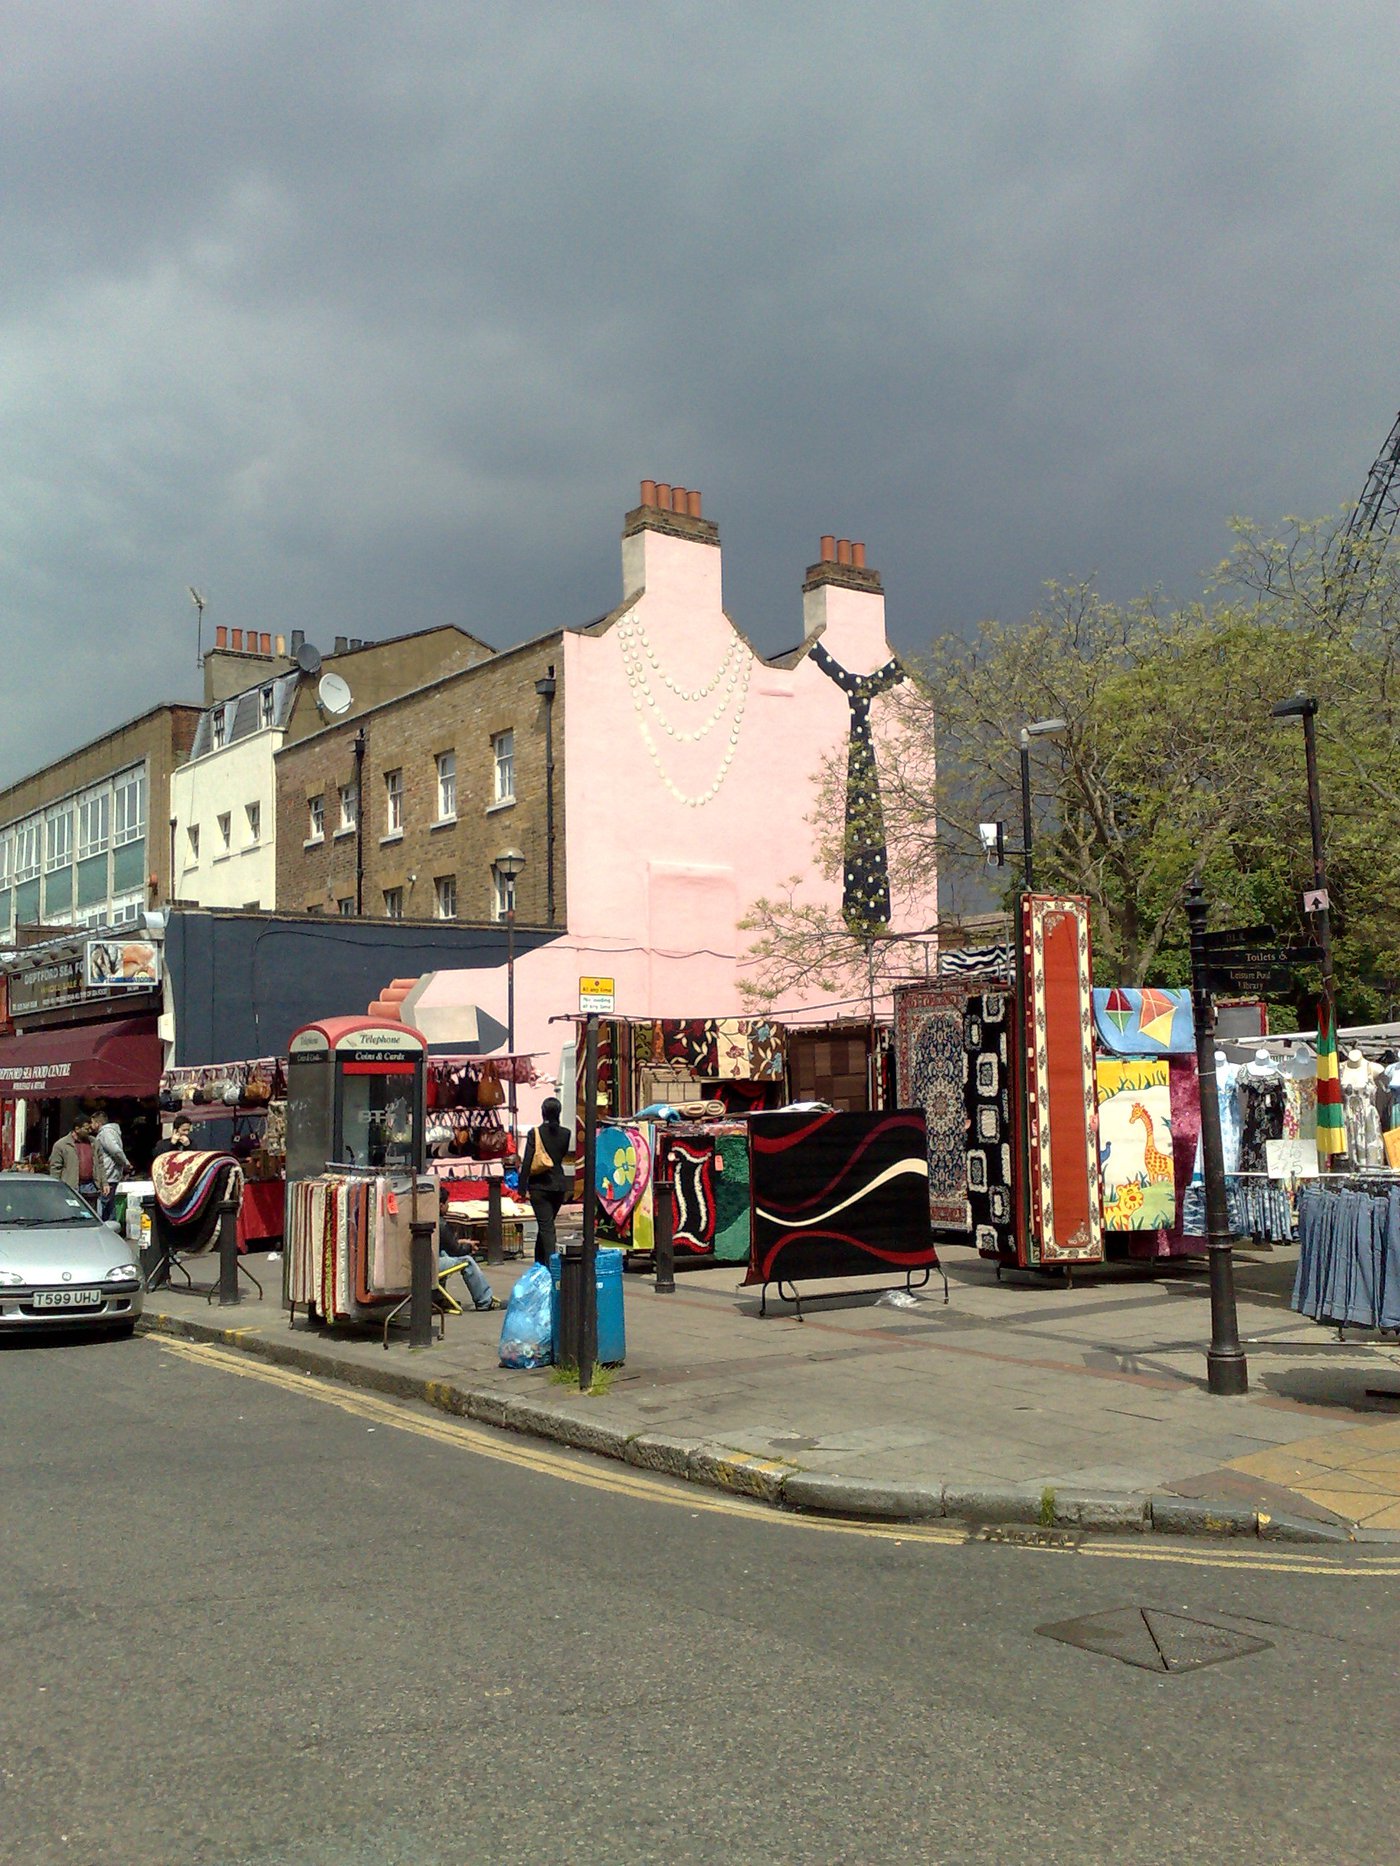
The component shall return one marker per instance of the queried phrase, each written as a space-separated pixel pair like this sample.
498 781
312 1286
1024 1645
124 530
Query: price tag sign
596 995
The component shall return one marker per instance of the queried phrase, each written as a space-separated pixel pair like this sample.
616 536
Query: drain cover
1157 1641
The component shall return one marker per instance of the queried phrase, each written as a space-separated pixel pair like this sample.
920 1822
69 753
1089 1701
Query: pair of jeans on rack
1255 1208
1348 1256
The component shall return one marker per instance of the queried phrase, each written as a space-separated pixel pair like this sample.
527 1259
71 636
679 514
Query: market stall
240 1108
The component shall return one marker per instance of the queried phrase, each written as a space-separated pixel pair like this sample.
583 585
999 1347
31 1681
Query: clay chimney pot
221 638
858 555
843 550
828 548
238 641
693 500
663 494
648 492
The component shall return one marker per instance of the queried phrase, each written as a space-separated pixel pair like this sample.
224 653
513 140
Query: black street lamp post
1227 1371
1038 729
509 864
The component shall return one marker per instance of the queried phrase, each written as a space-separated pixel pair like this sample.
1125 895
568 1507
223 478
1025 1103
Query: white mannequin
1356 1072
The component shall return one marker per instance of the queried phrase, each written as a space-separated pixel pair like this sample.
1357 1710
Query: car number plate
67 1298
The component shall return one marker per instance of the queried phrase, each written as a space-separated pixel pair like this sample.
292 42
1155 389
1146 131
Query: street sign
1316 900
596 994
1240 936
1245 981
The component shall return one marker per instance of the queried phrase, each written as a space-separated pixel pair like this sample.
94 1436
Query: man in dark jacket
72 1162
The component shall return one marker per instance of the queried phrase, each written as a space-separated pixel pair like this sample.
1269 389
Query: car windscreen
37 1201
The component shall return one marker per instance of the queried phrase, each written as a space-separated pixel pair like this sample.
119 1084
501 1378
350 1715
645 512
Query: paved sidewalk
1020 1400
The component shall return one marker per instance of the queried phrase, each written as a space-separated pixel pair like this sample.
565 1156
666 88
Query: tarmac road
246 1617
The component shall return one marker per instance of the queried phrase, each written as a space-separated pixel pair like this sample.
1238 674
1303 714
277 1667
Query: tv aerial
198 602
333 694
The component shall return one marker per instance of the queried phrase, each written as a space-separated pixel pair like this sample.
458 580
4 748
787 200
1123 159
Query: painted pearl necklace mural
734 673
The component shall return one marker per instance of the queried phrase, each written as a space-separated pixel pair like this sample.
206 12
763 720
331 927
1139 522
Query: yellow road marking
625 1480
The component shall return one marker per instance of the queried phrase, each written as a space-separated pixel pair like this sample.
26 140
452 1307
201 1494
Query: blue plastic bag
525 1333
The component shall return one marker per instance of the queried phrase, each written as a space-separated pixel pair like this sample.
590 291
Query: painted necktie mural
865 898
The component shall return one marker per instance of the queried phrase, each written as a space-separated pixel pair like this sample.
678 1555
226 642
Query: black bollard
495 1229
228 1253
423 1276
664 1226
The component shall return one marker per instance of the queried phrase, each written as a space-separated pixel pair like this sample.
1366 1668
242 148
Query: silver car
59 1264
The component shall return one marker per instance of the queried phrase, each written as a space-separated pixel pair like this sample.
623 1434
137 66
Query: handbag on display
257 1090
1390 1140
489 1093
492 1143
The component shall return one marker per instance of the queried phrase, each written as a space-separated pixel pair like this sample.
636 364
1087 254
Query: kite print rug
1149 1022
1135 1144
931 1072
1066 1225
838 1194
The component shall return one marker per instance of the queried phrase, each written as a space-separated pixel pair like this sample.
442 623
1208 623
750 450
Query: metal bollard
495 1229
578 1318
228 1253
422 1278
664 1226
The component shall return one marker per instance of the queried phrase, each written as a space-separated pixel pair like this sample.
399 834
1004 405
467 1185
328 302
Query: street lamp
1037 729
509 864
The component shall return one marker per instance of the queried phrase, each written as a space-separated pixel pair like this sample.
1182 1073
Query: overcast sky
366 318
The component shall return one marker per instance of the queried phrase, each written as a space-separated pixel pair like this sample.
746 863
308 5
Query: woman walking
542 1174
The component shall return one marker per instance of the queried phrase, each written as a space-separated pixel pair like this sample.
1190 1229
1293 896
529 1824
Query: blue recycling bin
612 1330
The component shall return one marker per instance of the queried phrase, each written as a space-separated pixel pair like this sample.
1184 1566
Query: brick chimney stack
843 599
659 535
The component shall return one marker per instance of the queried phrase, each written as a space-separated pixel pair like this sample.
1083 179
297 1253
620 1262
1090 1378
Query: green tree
1170 764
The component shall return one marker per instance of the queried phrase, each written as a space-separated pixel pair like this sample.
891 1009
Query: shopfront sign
121 964
98 970
46 987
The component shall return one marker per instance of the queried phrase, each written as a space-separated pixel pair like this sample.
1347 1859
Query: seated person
452 1257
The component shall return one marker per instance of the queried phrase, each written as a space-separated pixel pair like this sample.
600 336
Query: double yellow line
623 1480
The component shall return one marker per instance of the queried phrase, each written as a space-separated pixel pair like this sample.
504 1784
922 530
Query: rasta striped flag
1331 1126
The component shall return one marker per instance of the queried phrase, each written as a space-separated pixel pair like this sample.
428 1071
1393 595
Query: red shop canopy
120 1058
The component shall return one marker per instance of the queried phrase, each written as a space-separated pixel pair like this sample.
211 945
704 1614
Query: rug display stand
795 1300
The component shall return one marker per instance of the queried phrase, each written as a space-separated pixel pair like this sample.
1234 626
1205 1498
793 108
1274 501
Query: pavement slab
1050 1400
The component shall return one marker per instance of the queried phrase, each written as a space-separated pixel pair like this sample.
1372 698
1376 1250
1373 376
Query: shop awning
119 1058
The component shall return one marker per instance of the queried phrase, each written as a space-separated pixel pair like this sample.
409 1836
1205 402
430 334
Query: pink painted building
688 766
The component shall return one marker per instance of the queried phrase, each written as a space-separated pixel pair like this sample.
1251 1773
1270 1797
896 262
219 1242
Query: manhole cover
1157 1641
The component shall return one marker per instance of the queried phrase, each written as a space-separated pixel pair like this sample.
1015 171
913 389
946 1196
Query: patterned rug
732 1228
1066 1225
692 1175
990 1176
185 1181
838 1195
623 1170
931 1071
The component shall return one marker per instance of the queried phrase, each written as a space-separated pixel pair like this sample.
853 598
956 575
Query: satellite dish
333 695
309 658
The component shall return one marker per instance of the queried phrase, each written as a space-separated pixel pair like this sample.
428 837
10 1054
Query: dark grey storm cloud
362 318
